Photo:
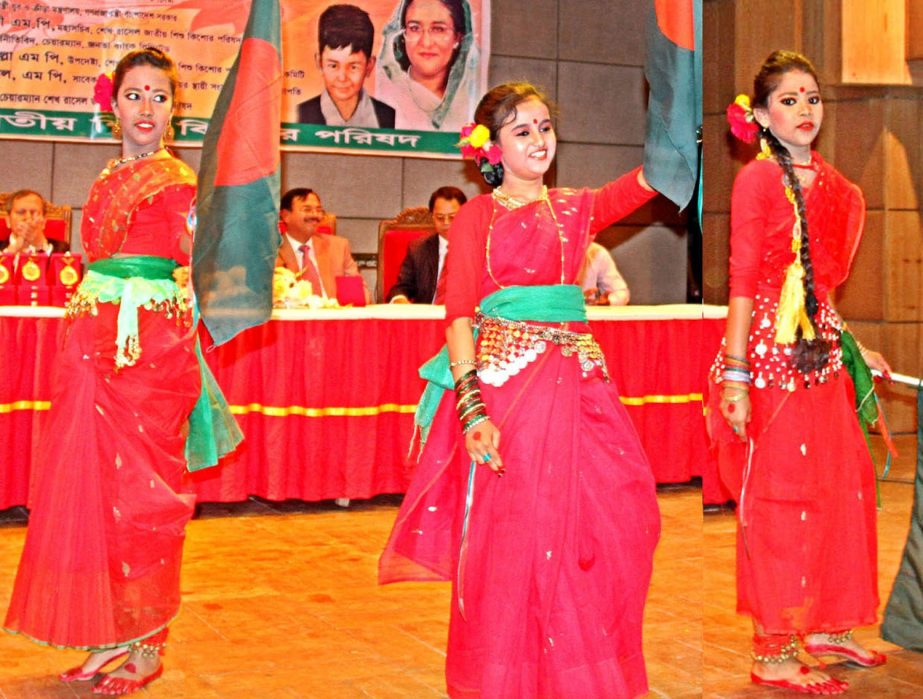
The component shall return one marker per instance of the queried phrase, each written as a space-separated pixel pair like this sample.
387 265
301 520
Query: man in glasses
417 282
319 258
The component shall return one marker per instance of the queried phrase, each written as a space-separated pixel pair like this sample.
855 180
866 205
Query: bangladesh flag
674 112
237 235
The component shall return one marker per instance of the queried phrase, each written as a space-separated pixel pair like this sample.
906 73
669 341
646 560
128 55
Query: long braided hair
813 354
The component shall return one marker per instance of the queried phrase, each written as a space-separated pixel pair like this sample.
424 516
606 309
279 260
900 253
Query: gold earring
117 129
170 133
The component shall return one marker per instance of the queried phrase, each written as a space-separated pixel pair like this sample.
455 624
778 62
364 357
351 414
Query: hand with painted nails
735 407
483 443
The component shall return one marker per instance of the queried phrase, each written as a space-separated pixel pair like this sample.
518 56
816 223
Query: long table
326 397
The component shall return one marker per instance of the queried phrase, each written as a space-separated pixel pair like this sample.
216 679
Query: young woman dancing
550 563
101 563
783 408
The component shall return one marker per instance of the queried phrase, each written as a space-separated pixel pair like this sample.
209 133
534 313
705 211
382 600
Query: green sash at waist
142 266
558 303
144 280
131 282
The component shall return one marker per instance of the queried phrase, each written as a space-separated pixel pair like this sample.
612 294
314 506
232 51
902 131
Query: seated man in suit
420 270
602 284
344 56
26 211
316 257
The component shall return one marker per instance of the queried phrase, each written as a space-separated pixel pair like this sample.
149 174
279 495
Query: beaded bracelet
462 362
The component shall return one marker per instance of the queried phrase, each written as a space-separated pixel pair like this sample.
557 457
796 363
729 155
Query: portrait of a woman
429 65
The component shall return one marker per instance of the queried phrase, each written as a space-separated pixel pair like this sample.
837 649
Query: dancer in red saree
551 562
783 406
100 567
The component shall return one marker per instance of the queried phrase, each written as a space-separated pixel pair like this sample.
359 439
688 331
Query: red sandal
151 647
78 674
775 649
835 646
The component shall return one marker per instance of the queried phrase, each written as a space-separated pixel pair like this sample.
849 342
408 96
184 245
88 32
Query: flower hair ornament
102 91
475 143
744 125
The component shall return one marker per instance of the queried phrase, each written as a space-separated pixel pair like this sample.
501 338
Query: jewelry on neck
118 162
513 202
499 199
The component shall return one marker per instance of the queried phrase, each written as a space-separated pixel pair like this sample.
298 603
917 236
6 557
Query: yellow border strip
677 399
285 411
24 405
365 411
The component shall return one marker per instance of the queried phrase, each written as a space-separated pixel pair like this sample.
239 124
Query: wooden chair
394 236
57 220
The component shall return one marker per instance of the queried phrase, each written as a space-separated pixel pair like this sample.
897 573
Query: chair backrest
394 236
57 220
328 224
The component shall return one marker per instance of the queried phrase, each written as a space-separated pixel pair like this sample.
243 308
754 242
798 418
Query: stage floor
281 602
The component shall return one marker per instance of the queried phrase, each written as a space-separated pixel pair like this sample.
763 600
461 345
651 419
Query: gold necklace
118 162
513 202
510 203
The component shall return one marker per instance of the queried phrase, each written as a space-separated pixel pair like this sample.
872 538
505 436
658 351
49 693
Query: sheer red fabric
549 593
101 562
120 215
806 484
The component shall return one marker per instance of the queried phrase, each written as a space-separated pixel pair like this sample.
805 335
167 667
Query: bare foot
796 676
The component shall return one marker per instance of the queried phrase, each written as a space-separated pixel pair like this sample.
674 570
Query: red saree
101 563
806 554
559 551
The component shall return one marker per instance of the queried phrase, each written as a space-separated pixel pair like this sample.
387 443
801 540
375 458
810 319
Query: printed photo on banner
370 76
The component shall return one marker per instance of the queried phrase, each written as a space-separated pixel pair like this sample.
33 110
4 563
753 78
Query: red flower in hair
102 91
741 119
475 143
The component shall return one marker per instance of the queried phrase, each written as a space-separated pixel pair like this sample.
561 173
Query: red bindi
731 408
147 88
801 89
535 121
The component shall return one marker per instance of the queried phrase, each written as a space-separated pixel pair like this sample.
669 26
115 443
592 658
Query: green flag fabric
674 112
237 233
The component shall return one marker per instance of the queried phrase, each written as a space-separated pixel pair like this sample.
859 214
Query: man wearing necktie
316 257
421 278
26 212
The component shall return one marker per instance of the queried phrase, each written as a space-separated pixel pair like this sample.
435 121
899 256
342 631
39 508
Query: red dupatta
114 197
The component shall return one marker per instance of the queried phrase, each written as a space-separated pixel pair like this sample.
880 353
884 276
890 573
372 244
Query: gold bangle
462 362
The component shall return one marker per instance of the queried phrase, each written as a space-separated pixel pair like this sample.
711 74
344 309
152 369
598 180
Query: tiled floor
281 601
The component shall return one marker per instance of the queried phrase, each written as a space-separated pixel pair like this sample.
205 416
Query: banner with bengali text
411 97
